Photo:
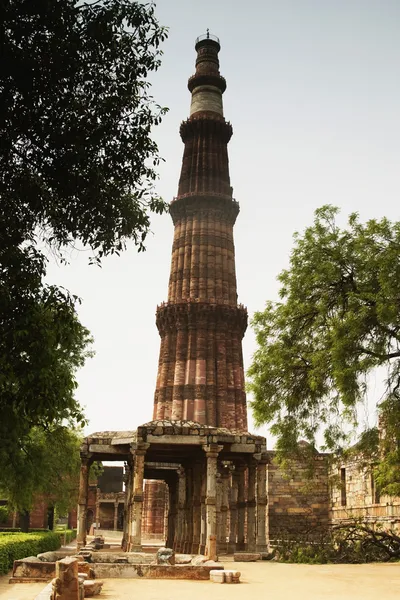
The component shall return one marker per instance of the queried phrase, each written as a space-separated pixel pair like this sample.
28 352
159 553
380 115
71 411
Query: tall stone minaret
200 372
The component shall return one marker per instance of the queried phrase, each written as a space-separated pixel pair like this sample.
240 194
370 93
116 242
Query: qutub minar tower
200 371
205 488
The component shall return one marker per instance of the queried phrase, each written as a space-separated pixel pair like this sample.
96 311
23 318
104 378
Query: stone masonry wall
354 496
294 508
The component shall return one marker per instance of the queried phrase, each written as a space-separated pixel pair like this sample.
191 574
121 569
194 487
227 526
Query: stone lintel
176 440
246 448
106 449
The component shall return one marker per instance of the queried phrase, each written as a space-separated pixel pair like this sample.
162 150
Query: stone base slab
131 571
246 556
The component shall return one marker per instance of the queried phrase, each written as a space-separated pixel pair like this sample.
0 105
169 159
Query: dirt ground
259 580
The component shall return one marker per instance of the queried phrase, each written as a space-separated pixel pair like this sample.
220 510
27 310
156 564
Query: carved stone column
172 510
262 545
241 504
251 507
82 499
180 525
137 499
197 481
188 541
115 524
127 506
233 508
218 510
97 516
212 452
203 511
225 481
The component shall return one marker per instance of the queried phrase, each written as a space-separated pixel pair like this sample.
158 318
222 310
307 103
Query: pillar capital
139 449
212 450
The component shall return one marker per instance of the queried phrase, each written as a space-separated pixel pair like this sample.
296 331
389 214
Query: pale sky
313 95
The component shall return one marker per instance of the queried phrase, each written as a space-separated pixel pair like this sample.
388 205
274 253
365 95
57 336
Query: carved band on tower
200 372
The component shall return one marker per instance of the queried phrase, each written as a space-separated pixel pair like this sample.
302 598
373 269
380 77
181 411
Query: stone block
246 556
29 571
92 587
199 560
165 556
225 576
217 576
183 559
232 576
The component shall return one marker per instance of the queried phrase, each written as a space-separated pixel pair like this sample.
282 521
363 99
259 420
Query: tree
338 320
47 466
42 344
77 161
77 164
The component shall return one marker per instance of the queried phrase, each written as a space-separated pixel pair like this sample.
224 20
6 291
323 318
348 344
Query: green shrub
15 546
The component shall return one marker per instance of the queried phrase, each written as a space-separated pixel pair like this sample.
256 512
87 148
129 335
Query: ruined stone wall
295 505
354 495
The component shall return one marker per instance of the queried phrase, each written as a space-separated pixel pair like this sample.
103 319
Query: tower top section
207 85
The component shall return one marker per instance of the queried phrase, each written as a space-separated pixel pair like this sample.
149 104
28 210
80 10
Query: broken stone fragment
199 560
165 556
183 559
92 587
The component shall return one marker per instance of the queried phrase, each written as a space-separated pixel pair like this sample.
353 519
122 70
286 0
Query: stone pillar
251 507
218 510
197 481
82 500
115 524
97 514
166 514
203 511
127 506
225 480
241 504
137 499
180 526
262 545
66 585
188 541
172 510
212 452
233 511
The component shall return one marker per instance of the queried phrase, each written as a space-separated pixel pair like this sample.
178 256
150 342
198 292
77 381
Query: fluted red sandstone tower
200 372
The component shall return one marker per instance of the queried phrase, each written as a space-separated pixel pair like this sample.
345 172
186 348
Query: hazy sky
313 96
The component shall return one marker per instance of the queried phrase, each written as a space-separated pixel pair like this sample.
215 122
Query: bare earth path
272 581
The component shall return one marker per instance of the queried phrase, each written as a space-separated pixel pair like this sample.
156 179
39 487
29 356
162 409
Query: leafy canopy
47 466
77 164
338 319
77 159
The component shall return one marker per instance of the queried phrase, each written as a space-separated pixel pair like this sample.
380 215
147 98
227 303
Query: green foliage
77 164
46 465
20 545
338 319
77 159
4 512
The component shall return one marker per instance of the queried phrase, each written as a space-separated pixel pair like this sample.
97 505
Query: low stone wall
143 571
